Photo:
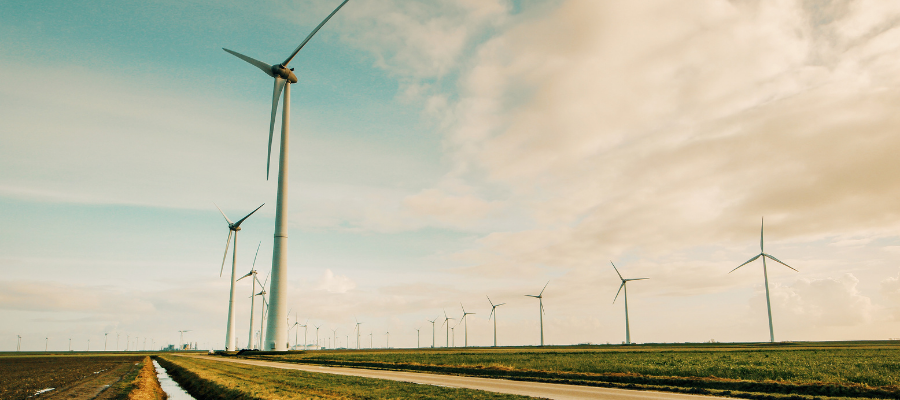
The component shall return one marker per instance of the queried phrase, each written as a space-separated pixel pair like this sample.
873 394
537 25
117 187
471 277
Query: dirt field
70 376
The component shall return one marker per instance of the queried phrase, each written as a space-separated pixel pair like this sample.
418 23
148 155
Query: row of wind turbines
463 319
274 308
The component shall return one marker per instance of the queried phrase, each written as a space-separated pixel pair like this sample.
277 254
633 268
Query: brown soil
70 376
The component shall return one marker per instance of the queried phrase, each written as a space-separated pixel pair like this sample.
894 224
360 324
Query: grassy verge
213 379
145 386
845 370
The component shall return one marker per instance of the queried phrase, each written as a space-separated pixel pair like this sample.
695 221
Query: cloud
51 296
813 304
335 283
890 290
449 209
664 126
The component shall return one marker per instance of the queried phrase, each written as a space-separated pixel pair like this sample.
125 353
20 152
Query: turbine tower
763 254
284 77
466 326
357 334
540 298
432 329
252 275
233 228
494 315
447 322
622 286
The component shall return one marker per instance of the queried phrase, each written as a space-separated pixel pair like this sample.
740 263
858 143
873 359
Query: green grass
863 369
216 379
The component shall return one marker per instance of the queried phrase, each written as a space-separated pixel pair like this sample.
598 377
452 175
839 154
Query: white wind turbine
540 298
494 315
357 334
252 274
233 228
432 329
447 322
763 254
283 78
623 286
263 307
466 326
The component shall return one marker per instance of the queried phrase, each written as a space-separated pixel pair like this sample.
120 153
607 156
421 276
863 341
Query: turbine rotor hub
285 73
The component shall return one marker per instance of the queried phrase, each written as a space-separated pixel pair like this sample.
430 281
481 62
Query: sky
442 152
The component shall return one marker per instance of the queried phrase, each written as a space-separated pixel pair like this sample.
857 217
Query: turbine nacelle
280 71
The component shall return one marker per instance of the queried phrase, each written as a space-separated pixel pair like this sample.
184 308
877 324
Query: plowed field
69 376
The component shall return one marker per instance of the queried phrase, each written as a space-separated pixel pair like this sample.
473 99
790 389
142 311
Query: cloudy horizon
446 152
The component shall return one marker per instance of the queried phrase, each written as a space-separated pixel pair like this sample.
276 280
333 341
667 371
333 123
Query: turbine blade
542 290
617 270
288 60
248 274
780 262
530 295
762 225
489 301
276 93
258 64
223 214
498 305
620 291
254 257
635 279
492 312
745 263
237 224
225 256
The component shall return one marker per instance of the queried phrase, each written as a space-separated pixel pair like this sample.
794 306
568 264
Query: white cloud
890 290
335 283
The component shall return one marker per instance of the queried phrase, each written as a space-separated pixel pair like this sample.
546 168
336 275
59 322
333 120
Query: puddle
42 391
169 386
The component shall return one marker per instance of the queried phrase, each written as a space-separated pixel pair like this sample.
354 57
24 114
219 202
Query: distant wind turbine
466 326
417 338
357 333
284 77
252 275
540 298
233 228
623 286
447 322
432 329
494 315
319 347
263 307
763 254
181 338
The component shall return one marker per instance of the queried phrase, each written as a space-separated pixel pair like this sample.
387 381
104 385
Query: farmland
69 375
861 369
213 379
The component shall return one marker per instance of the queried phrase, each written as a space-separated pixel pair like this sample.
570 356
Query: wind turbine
317 336
181 338
540 298
265 304
305 331
335 337
763 254
432 329
387 340
447 322
357 333
283 78
233 228
623 286
494 315
466 326
252 275
417 338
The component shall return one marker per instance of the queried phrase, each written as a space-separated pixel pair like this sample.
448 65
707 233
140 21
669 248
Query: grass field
214 379
838 369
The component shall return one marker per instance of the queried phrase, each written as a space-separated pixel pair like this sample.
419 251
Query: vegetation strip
214 379
146 384
830 370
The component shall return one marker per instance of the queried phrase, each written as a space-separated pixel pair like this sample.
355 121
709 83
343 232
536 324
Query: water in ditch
169 386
